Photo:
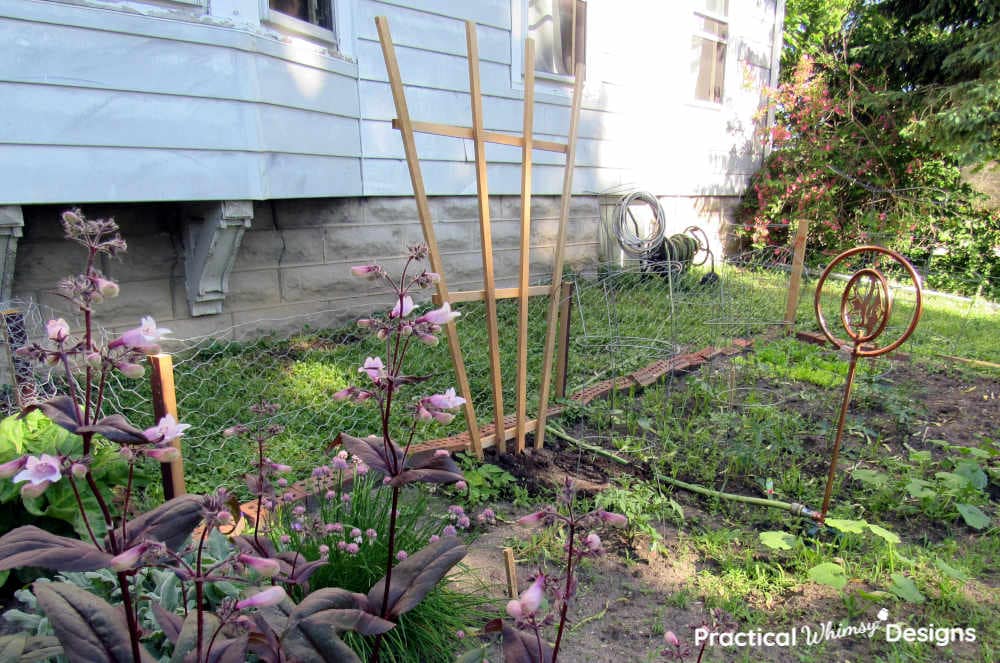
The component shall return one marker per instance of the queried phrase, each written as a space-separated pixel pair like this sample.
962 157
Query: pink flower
374 367
532 519
344 394
57 330
371 534
593 542
130 369
324 550
128 559
167 430
531 598
439 316
166 454
144 337
613 519
106 287
401 555
403 307
366 271
12 467
34 489
671 639
449 530
352 548
340 464
461 485
263 566
446 401
43 469
270 596
428 339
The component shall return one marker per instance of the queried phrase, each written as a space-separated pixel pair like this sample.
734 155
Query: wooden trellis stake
485 234
424 213
480 136
525 266
557 265
161 380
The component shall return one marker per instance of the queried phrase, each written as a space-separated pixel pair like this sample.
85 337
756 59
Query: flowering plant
547 600
266 621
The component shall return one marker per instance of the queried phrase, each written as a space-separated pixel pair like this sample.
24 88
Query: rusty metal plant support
865 308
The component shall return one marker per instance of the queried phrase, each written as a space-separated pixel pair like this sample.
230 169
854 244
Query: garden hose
793 508
633 241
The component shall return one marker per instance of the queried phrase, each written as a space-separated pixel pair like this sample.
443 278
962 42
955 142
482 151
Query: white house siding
179 101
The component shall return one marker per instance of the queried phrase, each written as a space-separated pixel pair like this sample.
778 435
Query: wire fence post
798 261
161 379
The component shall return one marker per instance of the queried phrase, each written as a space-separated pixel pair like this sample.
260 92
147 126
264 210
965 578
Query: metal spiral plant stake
865 308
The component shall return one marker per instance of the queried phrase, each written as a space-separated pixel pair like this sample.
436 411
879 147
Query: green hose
793 508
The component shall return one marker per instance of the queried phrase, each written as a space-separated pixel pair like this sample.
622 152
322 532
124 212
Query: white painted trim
285 23
204 30
344 13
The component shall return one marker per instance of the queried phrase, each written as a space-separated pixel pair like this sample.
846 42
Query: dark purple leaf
263 640
62 410
428 467
41 648
116 428
371 451
416 576
187 640
171 522
302 570
401 380
524 647
424 476
169 623
251 546
31 546
313 625
90 629
229 650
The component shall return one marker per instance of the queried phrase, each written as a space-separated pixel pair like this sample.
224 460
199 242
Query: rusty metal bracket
865 309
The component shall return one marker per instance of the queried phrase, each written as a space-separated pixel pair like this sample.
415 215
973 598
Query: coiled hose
626 227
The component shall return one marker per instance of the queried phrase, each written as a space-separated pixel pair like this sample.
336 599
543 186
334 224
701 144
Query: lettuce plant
265 621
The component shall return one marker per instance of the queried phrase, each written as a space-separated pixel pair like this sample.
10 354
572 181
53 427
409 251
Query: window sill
298 28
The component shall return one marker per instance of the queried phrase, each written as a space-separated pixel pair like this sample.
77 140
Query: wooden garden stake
795 284
557 264
485 232
424 213
509 566
161 380
525 266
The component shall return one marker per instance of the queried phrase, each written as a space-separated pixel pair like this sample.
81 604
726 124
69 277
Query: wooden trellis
489 294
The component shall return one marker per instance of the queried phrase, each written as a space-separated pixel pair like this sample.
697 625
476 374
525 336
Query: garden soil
631 596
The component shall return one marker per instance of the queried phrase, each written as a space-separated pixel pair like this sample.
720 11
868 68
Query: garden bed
916 431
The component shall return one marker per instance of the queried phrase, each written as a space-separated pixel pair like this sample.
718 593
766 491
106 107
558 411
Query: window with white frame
312 17
559 28
708 49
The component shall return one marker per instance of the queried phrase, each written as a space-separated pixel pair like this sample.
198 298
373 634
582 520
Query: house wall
293 267
138 109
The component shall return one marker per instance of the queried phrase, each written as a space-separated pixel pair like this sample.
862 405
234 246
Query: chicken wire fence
622 318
